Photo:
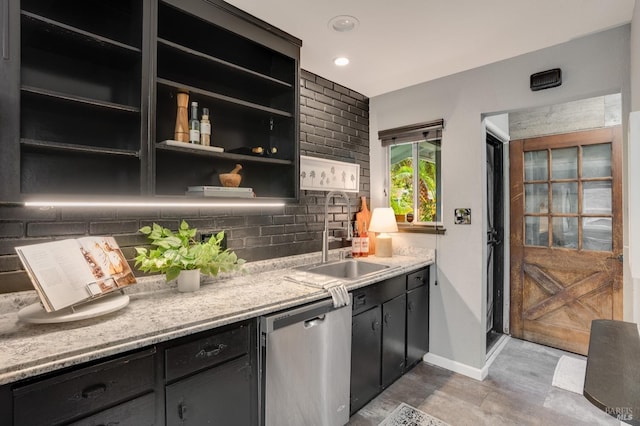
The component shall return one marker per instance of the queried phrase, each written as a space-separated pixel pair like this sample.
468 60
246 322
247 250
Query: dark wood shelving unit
249 84
91 91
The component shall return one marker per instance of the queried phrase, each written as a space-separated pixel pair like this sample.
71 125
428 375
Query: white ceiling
404 42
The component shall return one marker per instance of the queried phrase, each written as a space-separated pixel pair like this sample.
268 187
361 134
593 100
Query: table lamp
383 220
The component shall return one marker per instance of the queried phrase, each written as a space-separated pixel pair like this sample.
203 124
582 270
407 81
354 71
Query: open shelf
40 23
116 20
230 156
79 99
234 102
87 149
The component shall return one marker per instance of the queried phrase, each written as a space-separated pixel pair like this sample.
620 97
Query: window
413 154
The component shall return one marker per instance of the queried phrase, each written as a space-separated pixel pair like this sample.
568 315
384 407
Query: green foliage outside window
402 187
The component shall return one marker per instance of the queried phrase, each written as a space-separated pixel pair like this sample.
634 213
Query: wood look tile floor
517 391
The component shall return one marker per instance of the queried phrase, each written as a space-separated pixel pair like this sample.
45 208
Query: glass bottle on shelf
205 128
194 124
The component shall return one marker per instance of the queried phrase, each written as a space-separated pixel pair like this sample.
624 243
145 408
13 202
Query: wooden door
566 236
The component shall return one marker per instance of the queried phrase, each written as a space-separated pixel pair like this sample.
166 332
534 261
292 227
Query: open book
67 272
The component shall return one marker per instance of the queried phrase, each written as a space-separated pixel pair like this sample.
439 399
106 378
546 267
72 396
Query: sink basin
346 269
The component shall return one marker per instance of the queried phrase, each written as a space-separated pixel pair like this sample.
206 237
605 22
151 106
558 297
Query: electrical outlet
205 236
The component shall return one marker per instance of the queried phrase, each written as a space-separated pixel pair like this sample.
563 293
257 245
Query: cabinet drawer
85 391
206 352
137 412
375 294
418 278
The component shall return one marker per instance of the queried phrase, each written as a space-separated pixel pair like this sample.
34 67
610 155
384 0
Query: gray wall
595 65
334 124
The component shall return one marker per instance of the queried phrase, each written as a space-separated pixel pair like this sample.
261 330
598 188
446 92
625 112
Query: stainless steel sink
345 269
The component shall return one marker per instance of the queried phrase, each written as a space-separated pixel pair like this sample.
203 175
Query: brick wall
334 124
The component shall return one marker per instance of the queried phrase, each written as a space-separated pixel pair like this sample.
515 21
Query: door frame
495 131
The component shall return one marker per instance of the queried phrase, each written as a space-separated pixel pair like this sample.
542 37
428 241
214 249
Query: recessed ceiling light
341 61
343 23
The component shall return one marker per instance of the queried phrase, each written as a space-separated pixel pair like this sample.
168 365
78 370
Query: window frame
415 134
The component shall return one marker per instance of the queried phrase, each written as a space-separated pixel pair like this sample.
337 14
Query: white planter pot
189 280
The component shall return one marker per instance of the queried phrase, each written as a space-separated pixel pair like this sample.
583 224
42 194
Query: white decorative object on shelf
328 175
196 146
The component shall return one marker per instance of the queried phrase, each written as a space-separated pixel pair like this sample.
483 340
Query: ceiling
406 42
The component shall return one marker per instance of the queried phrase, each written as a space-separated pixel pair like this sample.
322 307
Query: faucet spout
325 233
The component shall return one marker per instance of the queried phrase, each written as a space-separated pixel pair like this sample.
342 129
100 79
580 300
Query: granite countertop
157 312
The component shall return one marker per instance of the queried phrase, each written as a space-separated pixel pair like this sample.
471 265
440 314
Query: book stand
111 302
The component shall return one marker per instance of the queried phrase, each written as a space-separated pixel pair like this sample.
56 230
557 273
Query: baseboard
466 370
456 367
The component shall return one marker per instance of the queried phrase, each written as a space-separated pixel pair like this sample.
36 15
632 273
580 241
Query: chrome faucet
325 233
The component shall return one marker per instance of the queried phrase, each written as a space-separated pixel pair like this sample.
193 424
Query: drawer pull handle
94 391
208 352
182 411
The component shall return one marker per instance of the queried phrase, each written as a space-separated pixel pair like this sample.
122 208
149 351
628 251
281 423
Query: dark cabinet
74 74
417 324
206 378
113 389
390 333
91 93
366 340
219 395
248 79
211 378
393 339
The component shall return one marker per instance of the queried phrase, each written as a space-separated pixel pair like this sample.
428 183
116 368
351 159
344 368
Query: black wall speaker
546 79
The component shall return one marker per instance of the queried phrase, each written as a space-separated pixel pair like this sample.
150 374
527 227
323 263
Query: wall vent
546 79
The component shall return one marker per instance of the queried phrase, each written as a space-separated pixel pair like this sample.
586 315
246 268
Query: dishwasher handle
315 321
310 315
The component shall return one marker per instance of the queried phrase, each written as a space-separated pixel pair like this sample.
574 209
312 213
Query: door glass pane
565 232
536 198
596 160
565 197
536 231
596 233
596 197
535 165
564 163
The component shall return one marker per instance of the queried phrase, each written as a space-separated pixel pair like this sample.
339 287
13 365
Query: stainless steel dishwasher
306 366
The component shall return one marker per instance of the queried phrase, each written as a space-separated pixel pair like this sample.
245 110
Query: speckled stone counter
158 312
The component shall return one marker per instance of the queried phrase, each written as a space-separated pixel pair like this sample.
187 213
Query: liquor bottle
355 242
364 241
205 128
194 124
363 217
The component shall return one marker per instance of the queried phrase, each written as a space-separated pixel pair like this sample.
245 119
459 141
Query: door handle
619 258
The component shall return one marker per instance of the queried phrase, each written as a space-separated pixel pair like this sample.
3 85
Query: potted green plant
179 255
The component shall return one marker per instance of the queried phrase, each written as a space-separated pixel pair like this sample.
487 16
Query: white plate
36 314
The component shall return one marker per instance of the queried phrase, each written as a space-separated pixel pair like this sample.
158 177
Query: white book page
61 271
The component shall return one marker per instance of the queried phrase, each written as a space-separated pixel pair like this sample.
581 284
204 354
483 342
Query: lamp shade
383 220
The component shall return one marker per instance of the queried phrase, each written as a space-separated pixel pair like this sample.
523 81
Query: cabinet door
217 396
365 357
393 339
417 324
